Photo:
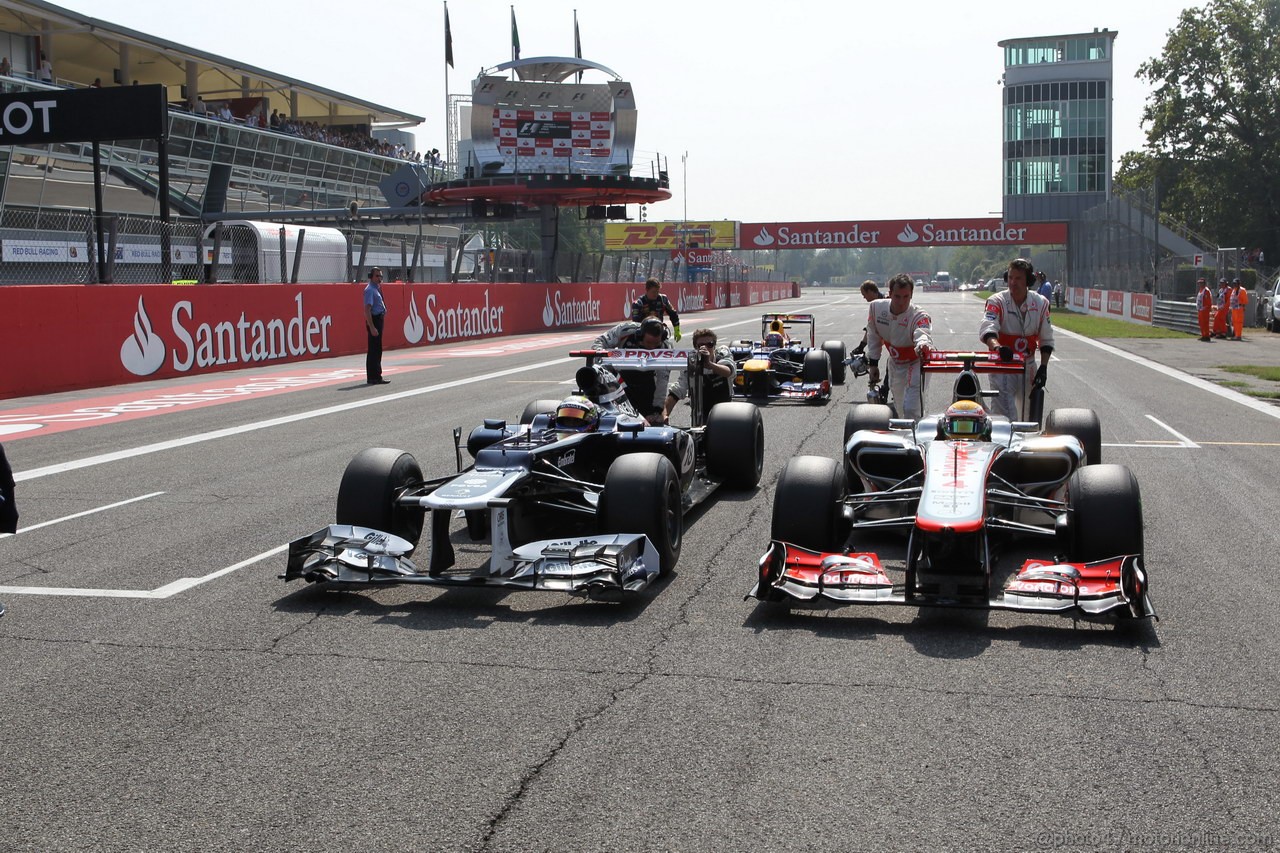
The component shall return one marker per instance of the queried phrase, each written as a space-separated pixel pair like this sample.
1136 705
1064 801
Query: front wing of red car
1118 586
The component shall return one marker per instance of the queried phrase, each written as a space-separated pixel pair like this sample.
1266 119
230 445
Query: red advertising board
892 233
1140 306
1115 302
61 337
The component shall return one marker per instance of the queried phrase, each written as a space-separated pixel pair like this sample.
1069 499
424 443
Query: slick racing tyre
861 416
1082 424
836 352
1106 513
538 407
808 504
370 485
735 444
816 368
642 495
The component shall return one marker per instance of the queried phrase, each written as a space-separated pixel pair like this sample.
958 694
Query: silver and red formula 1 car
960 501
596 511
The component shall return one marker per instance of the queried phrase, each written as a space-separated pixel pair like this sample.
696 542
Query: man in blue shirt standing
375 312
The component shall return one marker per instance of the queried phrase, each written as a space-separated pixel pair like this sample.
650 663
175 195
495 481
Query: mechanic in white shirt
1017 321
906 332
646 389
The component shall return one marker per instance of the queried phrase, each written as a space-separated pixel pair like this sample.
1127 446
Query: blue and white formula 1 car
594 510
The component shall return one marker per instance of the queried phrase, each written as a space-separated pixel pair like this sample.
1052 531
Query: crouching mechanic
646 389
718 369
896 325
1017 321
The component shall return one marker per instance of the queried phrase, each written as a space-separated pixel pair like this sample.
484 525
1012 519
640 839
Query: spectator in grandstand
200 108
5 68
275 120
375 314
8 506
45 72
96 84
655 303
224 112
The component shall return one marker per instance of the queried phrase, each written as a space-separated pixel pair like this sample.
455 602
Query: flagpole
448 47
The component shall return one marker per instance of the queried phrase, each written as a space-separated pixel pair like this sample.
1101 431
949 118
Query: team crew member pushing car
718 370
655 303
646 389
907 333
1017 321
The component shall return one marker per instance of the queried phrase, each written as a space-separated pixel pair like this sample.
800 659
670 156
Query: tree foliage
1213 143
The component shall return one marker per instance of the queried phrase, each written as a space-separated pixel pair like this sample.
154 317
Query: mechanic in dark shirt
718 369
646 389
655 303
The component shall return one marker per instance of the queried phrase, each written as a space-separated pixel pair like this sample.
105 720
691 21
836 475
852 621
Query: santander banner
893 233
62 337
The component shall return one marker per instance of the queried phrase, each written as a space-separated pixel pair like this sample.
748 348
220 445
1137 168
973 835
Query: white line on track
167 591
1186 442
82 514
200 438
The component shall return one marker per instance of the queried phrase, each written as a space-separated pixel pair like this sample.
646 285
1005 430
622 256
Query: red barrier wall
62 337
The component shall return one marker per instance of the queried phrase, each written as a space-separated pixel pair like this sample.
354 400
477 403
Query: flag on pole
515 36
577 42
448 38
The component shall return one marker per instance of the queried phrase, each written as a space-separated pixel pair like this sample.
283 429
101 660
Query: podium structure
534 137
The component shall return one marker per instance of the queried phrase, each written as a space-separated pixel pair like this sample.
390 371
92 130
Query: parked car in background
1270 308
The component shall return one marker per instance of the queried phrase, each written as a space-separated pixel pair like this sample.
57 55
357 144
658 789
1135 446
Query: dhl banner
642 236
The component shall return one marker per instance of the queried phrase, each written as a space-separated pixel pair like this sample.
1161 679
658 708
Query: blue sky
799 110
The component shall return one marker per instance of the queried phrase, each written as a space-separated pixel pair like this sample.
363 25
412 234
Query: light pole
684 161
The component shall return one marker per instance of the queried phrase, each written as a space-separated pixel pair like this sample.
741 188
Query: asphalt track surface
163 690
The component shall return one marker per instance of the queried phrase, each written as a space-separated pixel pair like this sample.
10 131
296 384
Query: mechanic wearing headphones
655 303
1017 320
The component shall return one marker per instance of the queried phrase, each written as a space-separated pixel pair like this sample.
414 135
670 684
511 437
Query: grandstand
319 159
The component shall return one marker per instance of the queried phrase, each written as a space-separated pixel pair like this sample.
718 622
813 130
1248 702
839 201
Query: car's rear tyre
1106 513
861 416
735 444
808 504
1272 325
366 496
816 367
642 495
1082 424
836 353
538 407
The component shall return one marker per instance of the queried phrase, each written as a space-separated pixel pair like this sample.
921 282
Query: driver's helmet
965 419
577 414
775 338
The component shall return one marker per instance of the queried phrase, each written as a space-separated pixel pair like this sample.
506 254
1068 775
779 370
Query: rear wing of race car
789 320
969 364
639 359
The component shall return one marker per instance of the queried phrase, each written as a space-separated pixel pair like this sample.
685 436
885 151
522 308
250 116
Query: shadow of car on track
954 634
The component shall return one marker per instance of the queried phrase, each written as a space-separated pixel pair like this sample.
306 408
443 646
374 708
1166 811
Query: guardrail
1175 315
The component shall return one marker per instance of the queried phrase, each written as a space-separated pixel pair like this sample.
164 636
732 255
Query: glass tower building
1056 140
